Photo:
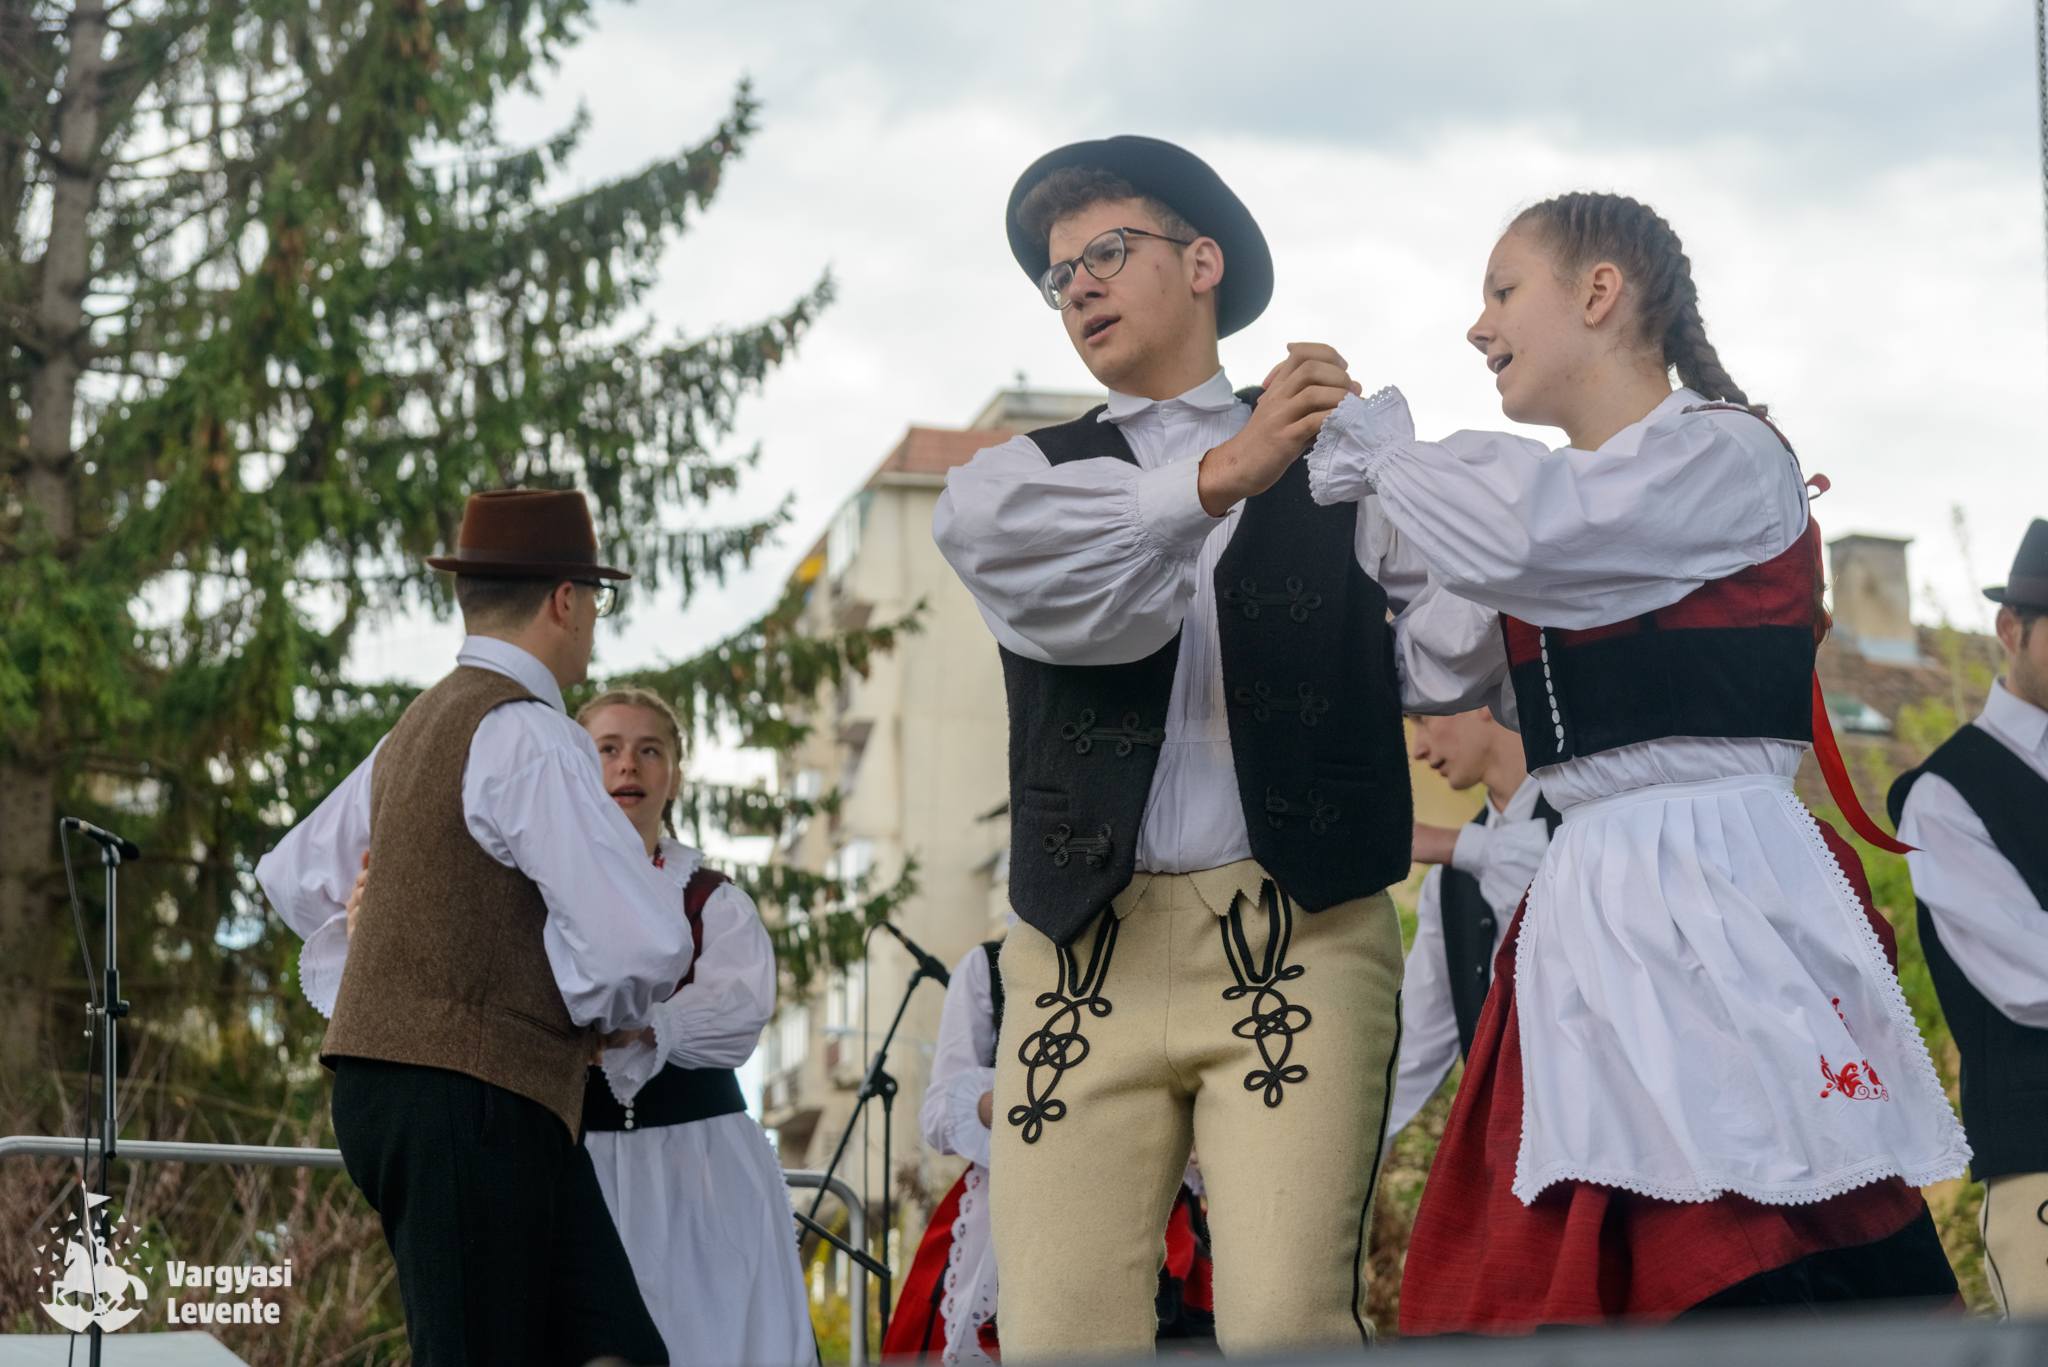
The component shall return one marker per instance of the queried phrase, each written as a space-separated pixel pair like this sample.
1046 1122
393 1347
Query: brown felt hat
527 534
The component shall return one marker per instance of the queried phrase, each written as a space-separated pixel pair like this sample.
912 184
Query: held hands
355 898
619 1039
1300 393
1434 844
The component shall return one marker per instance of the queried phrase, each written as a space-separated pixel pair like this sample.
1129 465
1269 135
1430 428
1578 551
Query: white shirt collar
2017 722
502 657
1520 807
1211 396
678 861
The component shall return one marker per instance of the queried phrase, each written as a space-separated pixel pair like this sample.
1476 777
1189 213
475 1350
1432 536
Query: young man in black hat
1977 814
511 919
1208 785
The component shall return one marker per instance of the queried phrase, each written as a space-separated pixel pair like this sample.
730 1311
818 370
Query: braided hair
1582 229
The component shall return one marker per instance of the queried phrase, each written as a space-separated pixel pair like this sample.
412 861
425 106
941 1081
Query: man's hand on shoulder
1300 393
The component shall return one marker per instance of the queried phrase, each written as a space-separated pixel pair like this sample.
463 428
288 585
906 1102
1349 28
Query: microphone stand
112 848
877 1083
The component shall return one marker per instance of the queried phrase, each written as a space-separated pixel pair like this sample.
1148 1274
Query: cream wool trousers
2014 1223
1200 1009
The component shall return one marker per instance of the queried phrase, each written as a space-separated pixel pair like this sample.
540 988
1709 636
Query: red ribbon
1829 753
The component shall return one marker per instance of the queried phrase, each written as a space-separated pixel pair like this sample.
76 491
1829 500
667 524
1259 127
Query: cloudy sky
1858 186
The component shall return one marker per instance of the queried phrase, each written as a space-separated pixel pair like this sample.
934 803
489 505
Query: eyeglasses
607 592
1103 256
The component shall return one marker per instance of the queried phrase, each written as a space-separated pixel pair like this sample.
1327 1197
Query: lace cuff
321 960
632 1066
1354 442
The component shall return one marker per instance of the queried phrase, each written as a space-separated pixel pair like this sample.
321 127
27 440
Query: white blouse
1990 921
1578 539
1101 561
715 1019
963 1063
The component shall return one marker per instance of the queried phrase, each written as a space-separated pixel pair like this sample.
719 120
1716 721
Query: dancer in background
1467 900
1977 814
948 1305
691 1181
459 1073
1696 1082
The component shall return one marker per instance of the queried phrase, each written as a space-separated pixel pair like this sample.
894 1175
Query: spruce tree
275 299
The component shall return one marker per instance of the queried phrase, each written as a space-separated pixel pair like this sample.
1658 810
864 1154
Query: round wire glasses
1103 257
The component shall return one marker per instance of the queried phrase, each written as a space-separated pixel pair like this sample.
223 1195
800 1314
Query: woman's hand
355 898
986 1110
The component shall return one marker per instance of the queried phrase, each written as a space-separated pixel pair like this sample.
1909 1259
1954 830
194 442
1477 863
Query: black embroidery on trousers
1298 601
1320 814
1259 698
1084 733
1273 1017
1059 1045
1062 844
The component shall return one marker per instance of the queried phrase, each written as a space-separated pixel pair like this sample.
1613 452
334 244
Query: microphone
127 848
926 964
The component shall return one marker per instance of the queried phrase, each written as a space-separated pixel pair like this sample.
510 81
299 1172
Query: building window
842 539
787 1042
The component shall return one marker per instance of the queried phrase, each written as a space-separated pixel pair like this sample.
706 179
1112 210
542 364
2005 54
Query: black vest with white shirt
2004 1063
1314 705
1471 927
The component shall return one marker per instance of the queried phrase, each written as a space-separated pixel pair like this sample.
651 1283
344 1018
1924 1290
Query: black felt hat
1176 177
2027 585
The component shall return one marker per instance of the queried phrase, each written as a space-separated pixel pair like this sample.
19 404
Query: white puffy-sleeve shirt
963 1064
1990 921
715 1019
533 797
1097 562
1579 539
1502 854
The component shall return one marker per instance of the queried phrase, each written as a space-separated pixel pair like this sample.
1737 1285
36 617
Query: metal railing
278 1156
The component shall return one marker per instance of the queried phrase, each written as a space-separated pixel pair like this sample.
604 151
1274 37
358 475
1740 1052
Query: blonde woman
691 1181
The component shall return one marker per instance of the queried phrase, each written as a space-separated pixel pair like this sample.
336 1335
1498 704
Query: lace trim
1911 1045
1840 1184
1350 421
983 1307
1952 1162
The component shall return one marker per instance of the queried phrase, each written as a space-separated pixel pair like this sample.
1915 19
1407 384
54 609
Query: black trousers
506 1254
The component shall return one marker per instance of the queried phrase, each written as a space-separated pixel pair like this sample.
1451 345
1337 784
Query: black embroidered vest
1470 927
1315 719
2004 1063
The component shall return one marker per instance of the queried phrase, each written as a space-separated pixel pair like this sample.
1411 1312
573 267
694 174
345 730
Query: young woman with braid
1695 1082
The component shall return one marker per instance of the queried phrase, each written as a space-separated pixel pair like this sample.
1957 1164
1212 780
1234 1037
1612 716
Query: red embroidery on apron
1858 1082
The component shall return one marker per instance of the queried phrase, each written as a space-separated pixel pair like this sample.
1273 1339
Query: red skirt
1481 1262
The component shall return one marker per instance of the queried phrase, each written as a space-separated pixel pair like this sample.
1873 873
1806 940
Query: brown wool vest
446 968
